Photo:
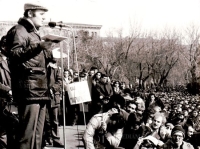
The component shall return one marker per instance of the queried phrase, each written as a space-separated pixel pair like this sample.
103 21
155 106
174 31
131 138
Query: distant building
92 30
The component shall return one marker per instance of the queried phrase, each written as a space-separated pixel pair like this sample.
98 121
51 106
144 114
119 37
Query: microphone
60 24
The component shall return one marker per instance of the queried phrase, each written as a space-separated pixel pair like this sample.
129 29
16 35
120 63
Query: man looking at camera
28 57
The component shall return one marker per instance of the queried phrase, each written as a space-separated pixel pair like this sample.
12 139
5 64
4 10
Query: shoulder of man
187 145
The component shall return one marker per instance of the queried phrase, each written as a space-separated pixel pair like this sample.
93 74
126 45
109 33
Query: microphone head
52 24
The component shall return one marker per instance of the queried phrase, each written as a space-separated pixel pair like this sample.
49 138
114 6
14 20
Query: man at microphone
28 57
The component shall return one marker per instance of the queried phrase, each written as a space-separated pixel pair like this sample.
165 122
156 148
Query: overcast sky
151 14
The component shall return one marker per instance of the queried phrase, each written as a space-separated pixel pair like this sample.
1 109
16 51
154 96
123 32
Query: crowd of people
123 116
119 116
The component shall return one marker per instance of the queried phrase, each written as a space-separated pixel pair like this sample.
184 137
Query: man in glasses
178 134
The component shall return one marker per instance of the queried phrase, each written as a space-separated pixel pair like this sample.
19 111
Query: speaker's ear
30 13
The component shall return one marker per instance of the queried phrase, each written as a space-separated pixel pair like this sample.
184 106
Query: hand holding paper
53 38
46 45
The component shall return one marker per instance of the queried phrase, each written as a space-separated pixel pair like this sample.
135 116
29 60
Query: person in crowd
116 87
176 141
123 85
158 121
194 120
169 127
153 100
51 130
189 133
148 142
104 88
189 136
7 133
75 76
91 74
133 130
97 78
117 101
67 74
140 112
104 130
127 95
82 76
28 59
140 102
131 106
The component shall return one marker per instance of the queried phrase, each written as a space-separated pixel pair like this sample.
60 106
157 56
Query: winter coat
27 62
104 90
5 80
169 145
55 82
92 136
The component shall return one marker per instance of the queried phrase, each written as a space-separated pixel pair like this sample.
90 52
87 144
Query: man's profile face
190 131
152 98
37 17
131 108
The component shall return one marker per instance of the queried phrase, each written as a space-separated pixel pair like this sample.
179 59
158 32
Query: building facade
92 30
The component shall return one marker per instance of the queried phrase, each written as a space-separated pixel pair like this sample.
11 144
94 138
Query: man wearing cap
104 88
176 142
28 58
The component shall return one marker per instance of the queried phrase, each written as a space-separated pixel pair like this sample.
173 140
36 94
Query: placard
78 92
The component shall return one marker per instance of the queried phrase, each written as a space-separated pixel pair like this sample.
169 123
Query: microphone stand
62 70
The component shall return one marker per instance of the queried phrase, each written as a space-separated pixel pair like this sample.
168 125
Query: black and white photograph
99 74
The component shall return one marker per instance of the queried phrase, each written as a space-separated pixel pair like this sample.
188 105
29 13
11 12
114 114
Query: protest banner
78 92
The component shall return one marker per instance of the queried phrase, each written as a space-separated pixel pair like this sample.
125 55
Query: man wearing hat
104 88
176 142
28 58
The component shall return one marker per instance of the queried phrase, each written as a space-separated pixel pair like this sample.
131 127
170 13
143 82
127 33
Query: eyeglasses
178 136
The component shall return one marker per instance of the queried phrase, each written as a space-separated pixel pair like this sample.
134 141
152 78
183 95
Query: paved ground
73 137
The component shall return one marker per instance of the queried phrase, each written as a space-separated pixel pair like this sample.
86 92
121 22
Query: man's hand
51 93
10 92
46 45
104 126
9 96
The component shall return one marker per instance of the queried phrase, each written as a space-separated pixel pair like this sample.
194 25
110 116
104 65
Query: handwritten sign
78 92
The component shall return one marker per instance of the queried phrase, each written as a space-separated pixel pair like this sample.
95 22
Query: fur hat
35 5
178 129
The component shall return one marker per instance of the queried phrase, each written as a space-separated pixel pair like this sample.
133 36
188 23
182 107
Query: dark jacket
27 62
55 82
157 102
104 90
5 80
169 145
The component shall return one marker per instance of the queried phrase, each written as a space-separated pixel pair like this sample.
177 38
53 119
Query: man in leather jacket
28 58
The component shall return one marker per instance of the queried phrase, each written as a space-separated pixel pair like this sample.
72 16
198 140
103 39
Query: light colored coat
95 125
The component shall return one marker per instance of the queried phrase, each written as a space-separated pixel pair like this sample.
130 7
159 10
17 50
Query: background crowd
158 119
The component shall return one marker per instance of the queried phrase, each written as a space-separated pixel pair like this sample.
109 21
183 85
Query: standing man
104 88
28 58
51 119
7 135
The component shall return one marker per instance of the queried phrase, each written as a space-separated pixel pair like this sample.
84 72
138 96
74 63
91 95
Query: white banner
78 92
